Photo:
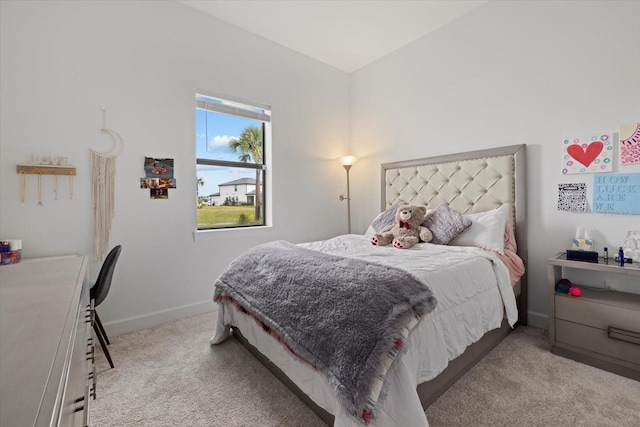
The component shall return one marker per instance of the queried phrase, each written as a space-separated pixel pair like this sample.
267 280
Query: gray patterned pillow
388 217
445 224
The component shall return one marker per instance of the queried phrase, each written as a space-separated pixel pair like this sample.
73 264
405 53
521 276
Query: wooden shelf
46 170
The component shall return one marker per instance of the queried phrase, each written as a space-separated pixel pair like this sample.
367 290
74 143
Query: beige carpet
170 376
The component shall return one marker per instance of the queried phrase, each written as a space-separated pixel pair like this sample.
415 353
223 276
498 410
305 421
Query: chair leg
104 333
103 344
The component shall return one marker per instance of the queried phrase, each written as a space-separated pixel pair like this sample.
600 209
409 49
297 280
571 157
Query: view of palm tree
200 184
249 144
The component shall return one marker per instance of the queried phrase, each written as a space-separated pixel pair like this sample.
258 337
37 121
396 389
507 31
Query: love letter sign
587 155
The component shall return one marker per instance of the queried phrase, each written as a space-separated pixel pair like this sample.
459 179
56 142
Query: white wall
143 62
506 73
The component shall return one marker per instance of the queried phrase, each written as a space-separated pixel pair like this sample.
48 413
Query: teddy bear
407 231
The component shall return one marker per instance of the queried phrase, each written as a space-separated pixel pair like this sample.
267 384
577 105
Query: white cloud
221 140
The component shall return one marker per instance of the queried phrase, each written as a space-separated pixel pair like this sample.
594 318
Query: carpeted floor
170 376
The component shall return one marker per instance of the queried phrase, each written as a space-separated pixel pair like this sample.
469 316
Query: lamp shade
348 160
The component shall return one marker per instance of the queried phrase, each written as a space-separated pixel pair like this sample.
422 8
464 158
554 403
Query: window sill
212 234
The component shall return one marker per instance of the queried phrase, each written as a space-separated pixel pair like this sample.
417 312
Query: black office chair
99 292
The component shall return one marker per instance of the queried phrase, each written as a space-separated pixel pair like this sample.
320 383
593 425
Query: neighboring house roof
214 195
251 193
250 181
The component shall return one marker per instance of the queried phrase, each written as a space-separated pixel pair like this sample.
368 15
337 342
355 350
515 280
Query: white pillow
486 231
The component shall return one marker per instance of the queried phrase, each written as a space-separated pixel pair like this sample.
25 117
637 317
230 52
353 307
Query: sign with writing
616 193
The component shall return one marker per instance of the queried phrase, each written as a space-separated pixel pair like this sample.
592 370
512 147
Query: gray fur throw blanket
348 318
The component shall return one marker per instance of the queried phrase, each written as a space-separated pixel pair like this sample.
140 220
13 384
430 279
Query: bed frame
469 182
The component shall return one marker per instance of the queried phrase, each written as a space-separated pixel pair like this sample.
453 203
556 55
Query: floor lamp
347 162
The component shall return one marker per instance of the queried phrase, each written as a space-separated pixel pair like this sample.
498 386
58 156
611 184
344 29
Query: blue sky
213 133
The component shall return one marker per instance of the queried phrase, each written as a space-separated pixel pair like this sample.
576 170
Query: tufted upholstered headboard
469 182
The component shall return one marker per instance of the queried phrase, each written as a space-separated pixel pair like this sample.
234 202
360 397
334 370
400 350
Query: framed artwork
630 144
572 197
591 154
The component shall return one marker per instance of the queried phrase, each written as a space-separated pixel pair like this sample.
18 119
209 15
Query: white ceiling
347 34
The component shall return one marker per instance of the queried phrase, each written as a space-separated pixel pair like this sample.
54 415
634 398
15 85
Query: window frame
261 113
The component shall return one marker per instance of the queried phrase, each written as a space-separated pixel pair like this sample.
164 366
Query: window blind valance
208 103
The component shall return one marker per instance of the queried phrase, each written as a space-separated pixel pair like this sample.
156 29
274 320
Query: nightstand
600 328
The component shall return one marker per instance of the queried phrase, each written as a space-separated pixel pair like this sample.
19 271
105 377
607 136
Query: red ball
575 291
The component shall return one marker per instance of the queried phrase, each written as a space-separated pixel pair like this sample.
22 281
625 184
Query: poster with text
616 193
630 144
591 154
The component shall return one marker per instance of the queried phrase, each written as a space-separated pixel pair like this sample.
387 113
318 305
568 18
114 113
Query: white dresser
46 350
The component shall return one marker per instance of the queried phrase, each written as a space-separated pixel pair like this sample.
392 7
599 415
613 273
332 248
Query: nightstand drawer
596 314
598 341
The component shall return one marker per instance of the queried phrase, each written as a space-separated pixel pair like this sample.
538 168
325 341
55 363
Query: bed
479 300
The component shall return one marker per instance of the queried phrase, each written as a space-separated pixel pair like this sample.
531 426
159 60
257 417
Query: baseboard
131 324
537 320
136 323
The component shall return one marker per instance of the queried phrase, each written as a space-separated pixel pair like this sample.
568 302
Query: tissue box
587 256
582 245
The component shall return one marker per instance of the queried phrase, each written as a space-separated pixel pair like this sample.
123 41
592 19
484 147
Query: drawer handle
623 335
91 351
94 387
81 407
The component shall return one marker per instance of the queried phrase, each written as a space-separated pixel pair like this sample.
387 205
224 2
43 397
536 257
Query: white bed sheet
473 293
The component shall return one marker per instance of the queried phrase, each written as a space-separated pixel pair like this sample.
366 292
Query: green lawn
225 216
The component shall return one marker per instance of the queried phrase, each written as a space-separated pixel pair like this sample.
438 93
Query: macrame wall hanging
103 173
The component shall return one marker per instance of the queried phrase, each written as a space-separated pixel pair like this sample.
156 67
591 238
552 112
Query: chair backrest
100 289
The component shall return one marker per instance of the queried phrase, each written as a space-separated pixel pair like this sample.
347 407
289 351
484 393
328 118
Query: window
231 139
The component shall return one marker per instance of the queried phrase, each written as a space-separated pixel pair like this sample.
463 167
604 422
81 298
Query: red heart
585 156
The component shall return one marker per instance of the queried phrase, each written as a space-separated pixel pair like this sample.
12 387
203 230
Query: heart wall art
592 154
630 144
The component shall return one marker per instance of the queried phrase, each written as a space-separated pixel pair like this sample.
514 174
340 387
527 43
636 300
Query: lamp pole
347 162
347 167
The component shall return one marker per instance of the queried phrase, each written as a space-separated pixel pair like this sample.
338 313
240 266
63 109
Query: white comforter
473 291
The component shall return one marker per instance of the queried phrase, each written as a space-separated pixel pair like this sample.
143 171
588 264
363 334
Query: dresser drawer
596 314
75 409
621 345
